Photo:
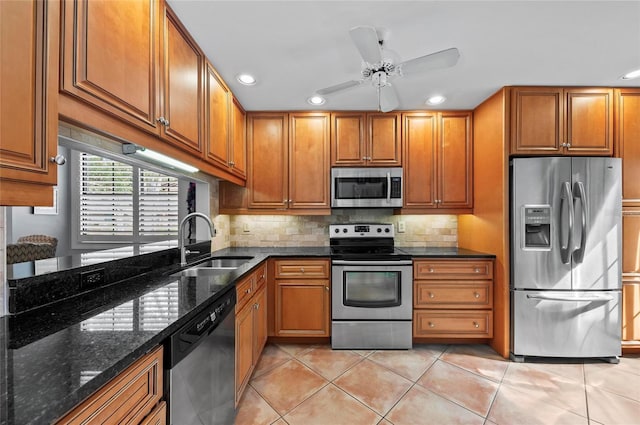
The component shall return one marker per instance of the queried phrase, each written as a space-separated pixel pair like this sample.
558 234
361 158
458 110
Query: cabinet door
183 87
631 241
267 136
627 119
259 323
309 160
537 119
302 308
110 57
238 139
455 161
420 132
631 311
589 121
384 146
348 139
28 105
244 348
217 113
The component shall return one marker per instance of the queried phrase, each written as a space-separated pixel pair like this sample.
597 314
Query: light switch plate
245 228
401 227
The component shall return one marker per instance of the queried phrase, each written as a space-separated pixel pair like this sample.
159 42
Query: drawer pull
247 291
431 295
327 288
432 325
476 270
256 306
301 269
476 295
476 325
430 270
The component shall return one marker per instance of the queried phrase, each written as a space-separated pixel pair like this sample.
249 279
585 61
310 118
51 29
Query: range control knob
337 230
379 230
386 230
344 230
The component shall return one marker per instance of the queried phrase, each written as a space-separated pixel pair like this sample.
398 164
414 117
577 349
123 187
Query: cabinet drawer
260 275
305 269
126 399
453 294
244 291
453 324
453 269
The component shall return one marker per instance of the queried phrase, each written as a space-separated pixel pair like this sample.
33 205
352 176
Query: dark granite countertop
435 252
55 356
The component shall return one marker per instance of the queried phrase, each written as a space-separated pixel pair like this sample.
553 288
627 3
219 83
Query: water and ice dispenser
537 227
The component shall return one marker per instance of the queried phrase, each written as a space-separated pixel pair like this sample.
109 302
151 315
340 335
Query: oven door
371 290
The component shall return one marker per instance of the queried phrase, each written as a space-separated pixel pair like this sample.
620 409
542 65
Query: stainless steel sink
214 266
224 262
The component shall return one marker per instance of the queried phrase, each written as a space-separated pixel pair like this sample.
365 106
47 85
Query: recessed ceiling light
631 75
436 100
246 79
316 100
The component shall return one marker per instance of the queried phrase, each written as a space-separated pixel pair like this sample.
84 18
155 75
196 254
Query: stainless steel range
372 288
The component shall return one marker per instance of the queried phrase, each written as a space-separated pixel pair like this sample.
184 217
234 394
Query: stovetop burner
364 242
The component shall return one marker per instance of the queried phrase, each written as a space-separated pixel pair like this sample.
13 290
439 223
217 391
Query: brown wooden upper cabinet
627 133
365 139
561 121
151 78
29 103
438 161
288 161
225 133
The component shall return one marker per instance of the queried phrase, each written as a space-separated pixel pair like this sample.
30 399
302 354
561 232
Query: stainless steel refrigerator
566 254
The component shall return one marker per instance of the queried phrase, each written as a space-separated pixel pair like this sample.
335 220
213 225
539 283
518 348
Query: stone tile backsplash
284 230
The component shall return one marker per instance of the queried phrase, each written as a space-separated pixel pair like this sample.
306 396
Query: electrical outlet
245 228
92 279
401 227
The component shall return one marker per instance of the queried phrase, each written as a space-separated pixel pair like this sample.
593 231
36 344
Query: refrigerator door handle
566 200
590 298
579 193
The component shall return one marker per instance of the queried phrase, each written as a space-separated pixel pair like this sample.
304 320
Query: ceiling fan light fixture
316 100
436 100
631 75
246 79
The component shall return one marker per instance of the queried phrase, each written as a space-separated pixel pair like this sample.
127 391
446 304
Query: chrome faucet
183 251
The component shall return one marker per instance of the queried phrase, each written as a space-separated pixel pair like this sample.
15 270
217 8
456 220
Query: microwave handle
388 187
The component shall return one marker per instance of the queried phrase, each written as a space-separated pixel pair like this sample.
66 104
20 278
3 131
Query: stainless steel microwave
366 187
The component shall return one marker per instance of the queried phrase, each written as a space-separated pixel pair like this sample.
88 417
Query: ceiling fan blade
367 43
441 59
339 87
388 98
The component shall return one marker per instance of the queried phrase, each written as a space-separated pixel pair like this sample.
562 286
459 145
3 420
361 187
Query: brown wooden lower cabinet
302 298
453 298
631 314
251 326
129 398
158 416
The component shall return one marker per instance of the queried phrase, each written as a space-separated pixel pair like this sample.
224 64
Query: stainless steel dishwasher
200 375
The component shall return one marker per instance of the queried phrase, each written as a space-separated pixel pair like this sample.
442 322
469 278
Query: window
118 202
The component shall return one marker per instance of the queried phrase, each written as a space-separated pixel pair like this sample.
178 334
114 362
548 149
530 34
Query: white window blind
158 204
159 308
123 203
106 197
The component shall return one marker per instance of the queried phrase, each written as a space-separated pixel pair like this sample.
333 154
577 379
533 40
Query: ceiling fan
381 65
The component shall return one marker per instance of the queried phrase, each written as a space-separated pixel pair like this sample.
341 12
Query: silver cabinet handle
476 325
431 295
476 295
388 187
432 325
301 269
58 159
326 288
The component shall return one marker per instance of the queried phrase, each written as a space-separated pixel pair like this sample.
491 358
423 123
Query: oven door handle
372 263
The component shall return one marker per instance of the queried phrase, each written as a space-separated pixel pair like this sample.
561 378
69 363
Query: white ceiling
296 47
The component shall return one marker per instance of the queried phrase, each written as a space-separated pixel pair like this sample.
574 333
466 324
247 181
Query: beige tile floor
434 384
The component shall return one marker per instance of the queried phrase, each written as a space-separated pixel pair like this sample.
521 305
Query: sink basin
224 262
214 266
